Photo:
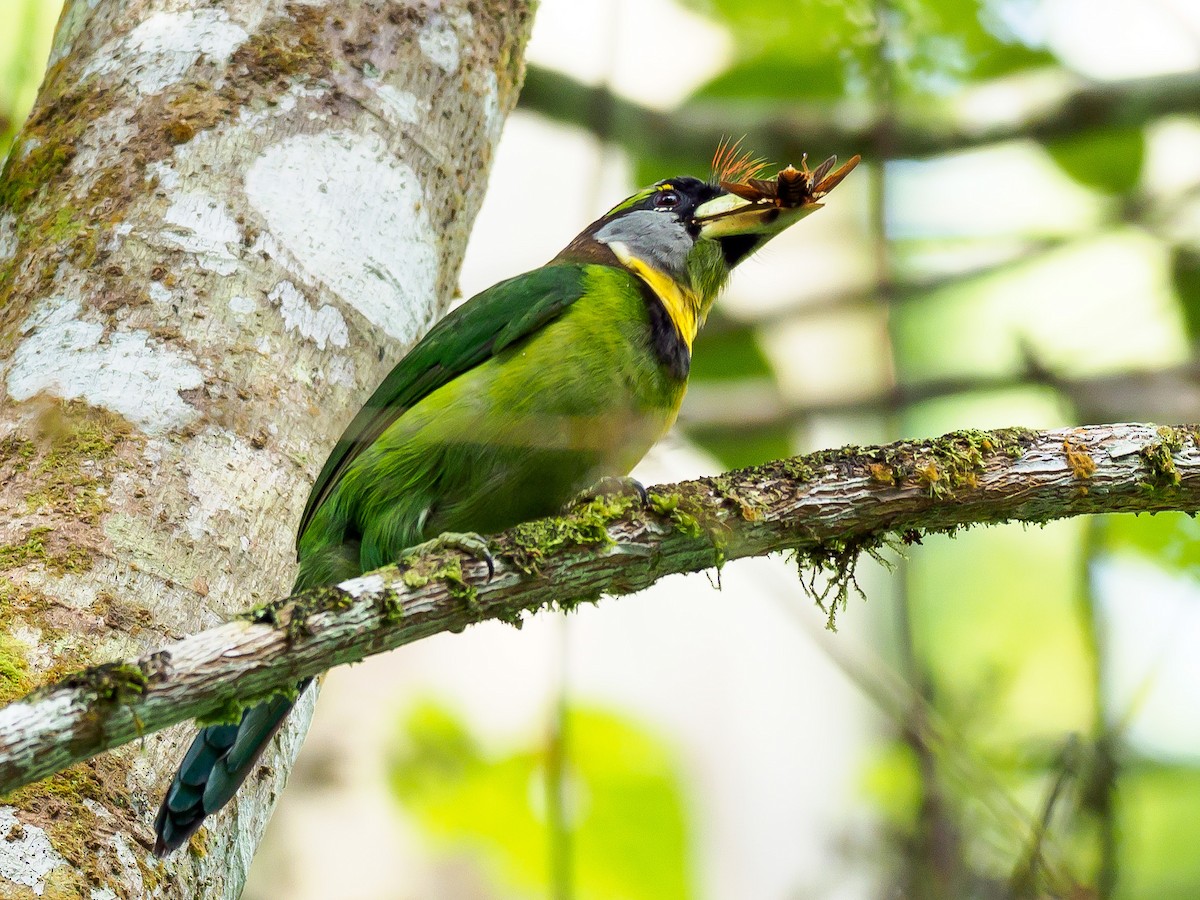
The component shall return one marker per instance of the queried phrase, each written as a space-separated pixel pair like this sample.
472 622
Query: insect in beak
792 187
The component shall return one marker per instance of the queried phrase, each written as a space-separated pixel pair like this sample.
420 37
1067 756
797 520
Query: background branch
828 507
756 407
779 130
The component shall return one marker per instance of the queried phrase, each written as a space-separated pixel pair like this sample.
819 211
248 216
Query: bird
530 394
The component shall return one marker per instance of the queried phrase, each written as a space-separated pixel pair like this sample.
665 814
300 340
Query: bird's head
695 232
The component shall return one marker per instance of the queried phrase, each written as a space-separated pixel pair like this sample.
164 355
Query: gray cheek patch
656 237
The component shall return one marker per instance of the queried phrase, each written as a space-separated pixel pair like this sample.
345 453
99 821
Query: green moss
33 548
65 477
198 843
37 164
939 467
57 804
451 574
37 184
79 782
31 167
1159 460
15 680
690 512
431 565
109 684
929 477
570 604
230 710
392 606
18 605
513 617
228 713
415 579
17 452
329 599
77 235
669 507
64 226
292 613
799 468
748 507
829 572
586 525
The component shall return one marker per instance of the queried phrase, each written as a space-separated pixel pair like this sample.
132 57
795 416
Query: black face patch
691 193
736 247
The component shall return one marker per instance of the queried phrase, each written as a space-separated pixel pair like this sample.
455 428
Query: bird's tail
214 767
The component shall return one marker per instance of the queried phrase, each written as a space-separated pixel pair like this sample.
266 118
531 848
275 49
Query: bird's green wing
468 336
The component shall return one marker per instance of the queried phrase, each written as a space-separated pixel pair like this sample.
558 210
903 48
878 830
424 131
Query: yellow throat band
683 306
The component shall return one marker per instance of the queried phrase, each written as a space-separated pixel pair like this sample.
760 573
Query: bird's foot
468 542
610 487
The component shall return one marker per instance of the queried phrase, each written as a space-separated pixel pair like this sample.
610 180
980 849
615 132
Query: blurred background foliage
1020 246
623 801
1030 255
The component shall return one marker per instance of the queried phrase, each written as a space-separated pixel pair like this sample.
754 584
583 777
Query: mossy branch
828 508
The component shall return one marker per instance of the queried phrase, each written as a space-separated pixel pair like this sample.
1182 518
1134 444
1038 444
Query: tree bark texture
221 225
829 508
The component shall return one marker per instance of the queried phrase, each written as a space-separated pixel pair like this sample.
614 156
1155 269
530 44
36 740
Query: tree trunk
221 225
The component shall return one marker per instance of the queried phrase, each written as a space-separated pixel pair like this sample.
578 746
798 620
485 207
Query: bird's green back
561 401
469 335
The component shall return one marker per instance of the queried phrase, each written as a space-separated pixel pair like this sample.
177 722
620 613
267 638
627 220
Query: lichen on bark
170 351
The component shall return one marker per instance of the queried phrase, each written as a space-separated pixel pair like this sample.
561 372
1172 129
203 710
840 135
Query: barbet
518 401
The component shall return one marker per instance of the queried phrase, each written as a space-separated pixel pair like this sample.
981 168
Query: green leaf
778 78
805 27
1002 59
1108 160
931 45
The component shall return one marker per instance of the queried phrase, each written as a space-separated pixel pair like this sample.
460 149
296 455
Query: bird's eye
666 199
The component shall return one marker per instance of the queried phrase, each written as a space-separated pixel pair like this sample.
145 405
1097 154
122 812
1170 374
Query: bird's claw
609 487
468 542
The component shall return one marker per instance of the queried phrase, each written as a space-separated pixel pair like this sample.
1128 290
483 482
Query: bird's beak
728 215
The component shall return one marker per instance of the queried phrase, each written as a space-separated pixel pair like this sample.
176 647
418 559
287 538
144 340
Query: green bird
514 404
